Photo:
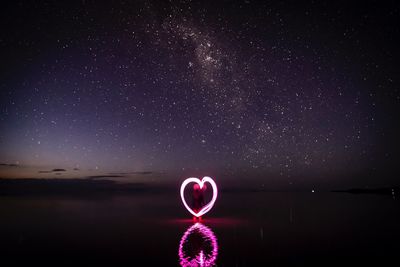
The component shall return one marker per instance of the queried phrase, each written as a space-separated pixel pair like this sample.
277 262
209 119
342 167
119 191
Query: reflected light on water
198 247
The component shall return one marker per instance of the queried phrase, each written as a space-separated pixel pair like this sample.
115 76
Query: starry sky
258 90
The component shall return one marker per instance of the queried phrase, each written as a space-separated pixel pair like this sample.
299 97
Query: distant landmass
84 187
379 191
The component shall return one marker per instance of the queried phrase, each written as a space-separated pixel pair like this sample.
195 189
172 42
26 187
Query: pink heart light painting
206 208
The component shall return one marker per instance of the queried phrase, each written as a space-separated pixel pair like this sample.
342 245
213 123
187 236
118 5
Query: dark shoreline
377 191
62 187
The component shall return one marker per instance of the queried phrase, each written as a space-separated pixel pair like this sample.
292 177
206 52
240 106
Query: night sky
271 92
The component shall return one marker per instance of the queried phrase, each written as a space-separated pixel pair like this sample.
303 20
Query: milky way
271 89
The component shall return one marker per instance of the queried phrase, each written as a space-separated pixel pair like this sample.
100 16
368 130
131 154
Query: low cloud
54 170
9 165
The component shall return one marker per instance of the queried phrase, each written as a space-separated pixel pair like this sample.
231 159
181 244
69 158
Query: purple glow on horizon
202 258
207 207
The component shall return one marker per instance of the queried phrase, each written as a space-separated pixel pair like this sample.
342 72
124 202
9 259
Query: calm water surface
243 229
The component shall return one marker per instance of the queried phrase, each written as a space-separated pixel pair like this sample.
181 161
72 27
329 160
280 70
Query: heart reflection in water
198 247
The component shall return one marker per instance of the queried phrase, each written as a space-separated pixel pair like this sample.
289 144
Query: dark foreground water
243 229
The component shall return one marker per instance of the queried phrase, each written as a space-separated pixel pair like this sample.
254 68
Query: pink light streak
201 259
207 207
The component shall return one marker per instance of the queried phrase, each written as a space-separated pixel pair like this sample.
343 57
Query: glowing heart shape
207 207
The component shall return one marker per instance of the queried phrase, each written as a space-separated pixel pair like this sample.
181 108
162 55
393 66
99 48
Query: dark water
250 229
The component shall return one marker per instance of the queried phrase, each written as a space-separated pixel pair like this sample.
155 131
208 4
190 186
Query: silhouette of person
198 197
